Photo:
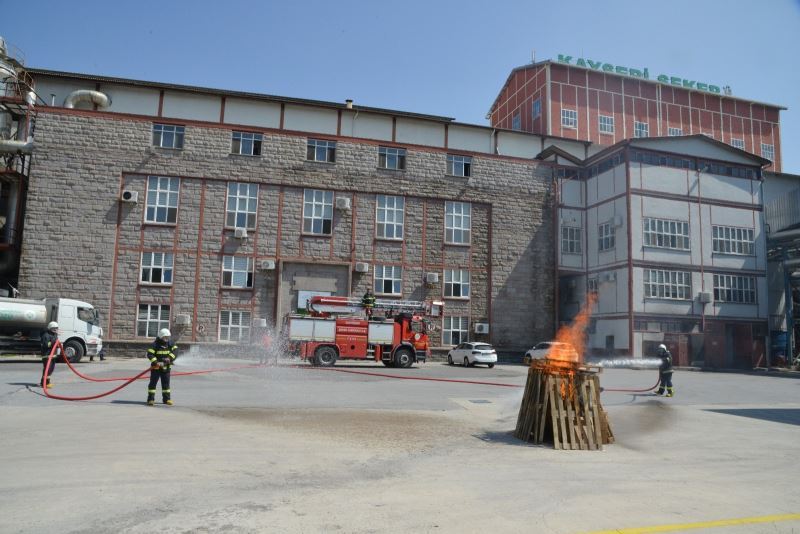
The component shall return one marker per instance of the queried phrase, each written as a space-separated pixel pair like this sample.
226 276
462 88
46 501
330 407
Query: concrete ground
286 449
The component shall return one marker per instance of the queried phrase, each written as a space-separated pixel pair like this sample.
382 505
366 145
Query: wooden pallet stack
561 405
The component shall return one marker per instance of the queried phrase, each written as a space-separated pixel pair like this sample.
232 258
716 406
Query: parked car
472 353
563 351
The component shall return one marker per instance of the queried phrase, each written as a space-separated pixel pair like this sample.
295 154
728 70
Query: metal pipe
791 263
9 146
87 95
786 234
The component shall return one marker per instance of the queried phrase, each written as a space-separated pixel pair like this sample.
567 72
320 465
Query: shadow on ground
789 416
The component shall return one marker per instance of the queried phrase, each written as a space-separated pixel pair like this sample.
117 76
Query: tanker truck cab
78 327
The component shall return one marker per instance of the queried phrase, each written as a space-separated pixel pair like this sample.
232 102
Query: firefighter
48 338
161 355
665 372
368 302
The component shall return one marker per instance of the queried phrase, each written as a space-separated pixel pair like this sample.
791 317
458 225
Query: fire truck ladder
349 305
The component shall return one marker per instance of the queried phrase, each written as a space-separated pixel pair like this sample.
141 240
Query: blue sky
439 57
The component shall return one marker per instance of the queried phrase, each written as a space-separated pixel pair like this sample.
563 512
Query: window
729 288
768 151
737 143
732 240
168 136
457 223
459 165
605 236
727 170
516 121
674 132
242 206
246 144
389 217
456 283
667 284
591 285
536 109
317 212
234 326
389 279
641 129
663 233
455 330
151 319
156 268
606 124
569 118
321 151
237 272
392 158
649 158
162 199
570 240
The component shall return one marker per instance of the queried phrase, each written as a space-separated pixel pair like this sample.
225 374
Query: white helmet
662 348
52 325
164 333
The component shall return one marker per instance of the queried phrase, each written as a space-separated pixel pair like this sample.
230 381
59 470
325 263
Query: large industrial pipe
87 95
9 146
786 234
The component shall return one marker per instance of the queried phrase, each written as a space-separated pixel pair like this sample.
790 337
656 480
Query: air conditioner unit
240 233
343 203
610 277
431 278
268 265
481 328
706 297
260 323
617 220
183 319
129 196
362 267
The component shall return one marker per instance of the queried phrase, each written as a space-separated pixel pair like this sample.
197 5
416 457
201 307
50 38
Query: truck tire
388 363
73 350
403 358
325 356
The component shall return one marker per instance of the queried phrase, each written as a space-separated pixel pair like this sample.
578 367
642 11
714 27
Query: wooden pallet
563 407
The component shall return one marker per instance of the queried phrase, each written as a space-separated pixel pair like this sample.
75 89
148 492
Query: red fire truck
337 329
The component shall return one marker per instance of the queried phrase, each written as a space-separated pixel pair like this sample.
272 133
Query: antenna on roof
533 55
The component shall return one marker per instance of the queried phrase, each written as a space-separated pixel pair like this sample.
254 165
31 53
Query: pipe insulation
97 98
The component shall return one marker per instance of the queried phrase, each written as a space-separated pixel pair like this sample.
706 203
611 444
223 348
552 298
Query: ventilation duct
97 98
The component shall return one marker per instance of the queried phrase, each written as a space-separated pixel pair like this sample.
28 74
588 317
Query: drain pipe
97 98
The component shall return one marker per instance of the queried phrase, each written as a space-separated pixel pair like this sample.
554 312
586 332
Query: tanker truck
22 322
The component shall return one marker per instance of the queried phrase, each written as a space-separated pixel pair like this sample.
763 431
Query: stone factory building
210 210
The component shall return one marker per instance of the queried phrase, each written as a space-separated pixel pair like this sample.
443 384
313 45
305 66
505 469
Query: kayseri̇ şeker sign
643 74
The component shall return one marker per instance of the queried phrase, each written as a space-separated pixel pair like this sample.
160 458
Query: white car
563 351
471 353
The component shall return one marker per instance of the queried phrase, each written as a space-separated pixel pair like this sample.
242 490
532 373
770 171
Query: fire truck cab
338 329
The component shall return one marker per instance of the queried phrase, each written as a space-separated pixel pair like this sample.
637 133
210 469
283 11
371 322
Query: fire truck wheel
450 360
325 356
403 358
388 363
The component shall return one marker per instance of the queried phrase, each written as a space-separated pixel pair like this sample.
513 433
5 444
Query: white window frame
768 151
241 203
392 158
733 240
674 132
234 268
605 124
670 285
606 236
460 166
456 283
227 326
665 233
391 275
163 197
735 289
641 129
156 267
536 108
317 212
737 143
246 143
168 136
569 118
516 121
153 320
321 150
389 217
571 239
457 223
458 325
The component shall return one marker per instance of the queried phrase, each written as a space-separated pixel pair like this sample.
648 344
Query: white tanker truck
22 322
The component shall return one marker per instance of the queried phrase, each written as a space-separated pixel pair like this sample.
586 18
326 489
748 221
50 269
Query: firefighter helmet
52 325
662 348
164 333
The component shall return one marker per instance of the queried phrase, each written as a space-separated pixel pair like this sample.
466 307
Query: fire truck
337 328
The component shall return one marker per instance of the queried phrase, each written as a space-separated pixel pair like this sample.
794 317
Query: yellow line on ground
704 524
